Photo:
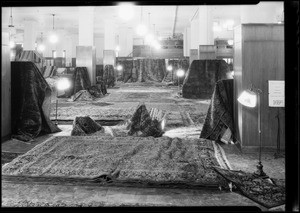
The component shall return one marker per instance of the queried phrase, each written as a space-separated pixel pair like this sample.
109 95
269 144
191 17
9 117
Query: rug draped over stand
31 100
201 77
219 116
81 79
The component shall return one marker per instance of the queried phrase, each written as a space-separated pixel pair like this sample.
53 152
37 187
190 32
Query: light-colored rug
123 160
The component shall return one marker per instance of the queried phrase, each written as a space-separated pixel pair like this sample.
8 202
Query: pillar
194 39
85 51
186 41
109 56
5 88
30 35
205 26
194 33
99 44
125 41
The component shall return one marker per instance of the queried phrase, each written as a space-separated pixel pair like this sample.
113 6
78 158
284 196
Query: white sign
276 88
276 93
276 101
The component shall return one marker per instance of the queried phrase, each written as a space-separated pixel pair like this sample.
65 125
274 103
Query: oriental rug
267 192
122 161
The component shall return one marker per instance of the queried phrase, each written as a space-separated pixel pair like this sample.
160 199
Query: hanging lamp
41 46
141 29
53 37
12 30
149 38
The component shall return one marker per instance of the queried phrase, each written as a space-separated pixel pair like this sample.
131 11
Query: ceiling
66 18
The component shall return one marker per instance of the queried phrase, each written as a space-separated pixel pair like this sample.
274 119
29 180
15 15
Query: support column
29 35
85 51
5 88
194 40
186 41
109 56
125 41
206 36
194 33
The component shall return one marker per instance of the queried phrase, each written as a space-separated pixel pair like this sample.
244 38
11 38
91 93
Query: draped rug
30 101
201 78
219 116
122 161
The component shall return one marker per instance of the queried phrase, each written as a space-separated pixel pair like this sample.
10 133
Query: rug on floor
107 160
257 189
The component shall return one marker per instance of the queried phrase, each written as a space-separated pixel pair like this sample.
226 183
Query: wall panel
262 51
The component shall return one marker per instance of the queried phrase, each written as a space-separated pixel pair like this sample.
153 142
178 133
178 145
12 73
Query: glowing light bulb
180 73
230 42
41 47
119 67
126 11
53 38
12 44
118 48
169 68
156 45
149 38
63 84
141 30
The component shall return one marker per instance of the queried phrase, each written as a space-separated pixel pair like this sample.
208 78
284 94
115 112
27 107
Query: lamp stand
259 172
56 122
178 87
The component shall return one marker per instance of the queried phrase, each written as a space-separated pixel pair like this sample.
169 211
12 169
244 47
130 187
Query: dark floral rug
267 192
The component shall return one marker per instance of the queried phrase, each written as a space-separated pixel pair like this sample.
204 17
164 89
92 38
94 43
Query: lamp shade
119 67
169 68
180 73
248 98
63 84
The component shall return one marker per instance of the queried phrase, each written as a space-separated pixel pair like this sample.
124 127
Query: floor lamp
251 98
170 69
179 73
62 84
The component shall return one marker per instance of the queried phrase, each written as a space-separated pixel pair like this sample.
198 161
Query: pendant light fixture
53 37
149 37
141 29
12 30
41 46
126 11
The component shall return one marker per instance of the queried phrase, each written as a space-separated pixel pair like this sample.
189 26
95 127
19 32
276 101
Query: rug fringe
222 159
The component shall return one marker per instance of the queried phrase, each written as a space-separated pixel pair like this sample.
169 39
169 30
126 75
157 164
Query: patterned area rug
8 157
257 189
115 160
